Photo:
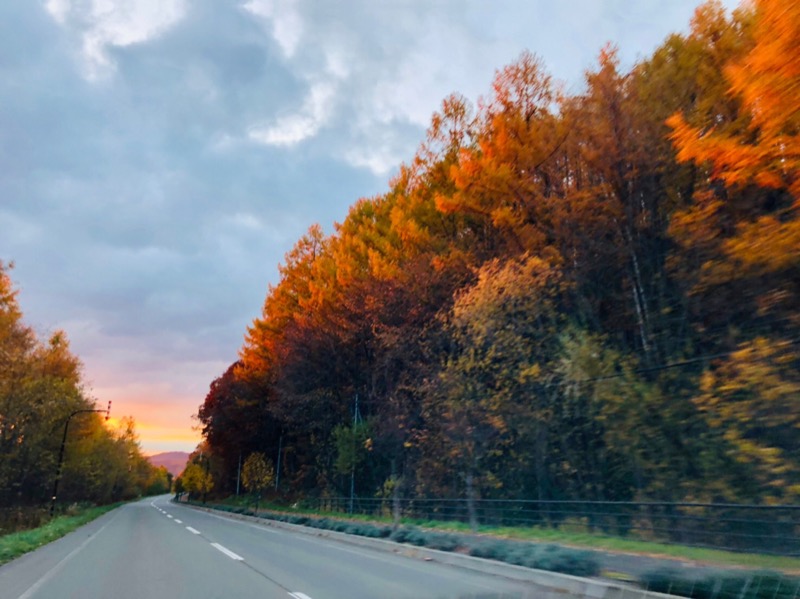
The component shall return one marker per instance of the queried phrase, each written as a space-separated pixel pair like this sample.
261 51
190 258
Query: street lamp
61 452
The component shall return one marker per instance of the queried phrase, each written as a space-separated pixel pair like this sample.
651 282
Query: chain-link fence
733 527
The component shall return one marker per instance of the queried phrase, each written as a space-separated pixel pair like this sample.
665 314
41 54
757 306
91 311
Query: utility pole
205 480
61 452
356 418
278 469
239 473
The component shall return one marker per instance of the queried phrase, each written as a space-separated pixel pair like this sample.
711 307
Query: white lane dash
297 595
169 515
227 552
194 531
178 521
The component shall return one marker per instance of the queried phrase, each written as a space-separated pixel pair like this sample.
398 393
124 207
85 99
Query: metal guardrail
732 527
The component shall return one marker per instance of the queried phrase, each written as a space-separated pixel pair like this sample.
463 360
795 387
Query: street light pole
205 480
61 452
239 473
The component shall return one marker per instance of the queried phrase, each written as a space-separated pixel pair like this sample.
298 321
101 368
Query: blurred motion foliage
40 386
562 296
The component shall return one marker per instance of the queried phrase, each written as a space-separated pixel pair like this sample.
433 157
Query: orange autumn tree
767 151
746 225
537 241
506 176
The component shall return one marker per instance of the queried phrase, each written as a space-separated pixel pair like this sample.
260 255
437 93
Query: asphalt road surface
154 549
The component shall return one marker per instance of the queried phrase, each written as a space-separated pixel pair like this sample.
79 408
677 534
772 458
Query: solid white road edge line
299 596
193 530
57 568
227 552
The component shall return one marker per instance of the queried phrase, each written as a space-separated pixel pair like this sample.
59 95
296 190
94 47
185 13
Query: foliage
553 558
722 585
257 473
41 386
586 295
352 446
196 479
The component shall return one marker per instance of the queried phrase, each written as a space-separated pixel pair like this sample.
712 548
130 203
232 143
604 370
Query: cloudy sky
158 157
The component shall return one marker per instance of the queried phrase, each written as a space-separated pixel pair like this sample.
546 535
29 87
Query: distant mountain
173 461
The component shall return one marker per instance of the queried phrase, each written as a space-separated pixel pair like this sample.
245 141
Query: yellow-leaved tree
257 474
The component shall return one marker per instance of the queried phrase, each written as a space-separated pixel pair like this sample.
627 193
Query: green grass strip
18 543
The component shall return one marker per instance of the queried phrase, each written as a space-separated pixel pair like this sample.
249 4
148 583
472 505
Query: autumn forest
58 451
586 295
44 399
562 296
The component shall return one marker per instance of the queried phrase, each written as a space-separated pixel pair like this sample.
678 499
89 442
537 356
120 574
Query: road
154 549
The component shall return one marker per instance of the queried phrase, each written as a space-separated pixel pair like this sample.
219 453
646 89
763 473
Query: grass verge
18 543
580 540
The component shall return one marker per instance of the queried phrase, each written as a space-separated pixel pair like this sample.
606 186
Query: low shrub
401 534
567 561
442 542
369 530
520 554
365 530
489 549
541 557
417 537
340 526
321 523
722 585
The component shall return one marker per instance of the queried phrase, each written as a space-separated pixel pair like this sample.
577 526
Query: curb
553 582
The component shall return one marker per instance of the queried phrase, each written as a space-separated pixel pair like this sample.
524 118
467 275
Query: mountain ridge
173 461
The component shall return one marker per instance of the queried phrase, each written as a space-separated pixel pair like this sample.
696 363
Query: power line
661 367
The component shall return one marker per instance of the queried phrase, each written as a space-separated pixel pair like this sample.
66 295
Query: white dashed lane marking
227 552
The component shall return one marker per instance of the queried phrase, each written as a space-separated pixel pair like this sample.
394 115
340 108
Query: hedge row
541 557
723 584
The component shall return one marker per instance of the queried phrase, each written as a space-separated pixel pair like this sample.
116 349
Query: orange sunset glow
164 424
